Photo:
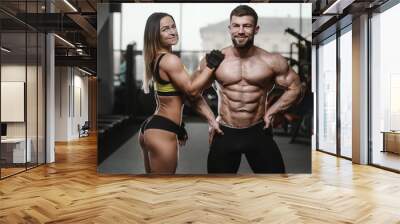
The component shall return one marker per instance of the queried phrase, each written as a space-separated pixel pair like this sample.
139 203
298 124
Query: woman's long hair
152 44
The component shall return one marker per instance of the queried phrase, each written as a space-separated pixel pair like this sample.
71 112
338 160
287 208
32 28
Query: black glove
183 135
214 58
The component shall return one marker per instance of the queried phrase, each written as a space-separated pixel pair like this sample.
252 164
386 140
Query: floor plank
71 191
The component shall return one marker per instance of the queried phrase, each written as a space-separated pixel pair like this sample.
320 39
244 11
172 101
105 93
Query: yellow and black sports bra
163 87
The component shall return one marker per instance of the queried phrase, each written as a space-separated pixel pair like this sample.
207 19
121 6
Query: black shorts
255 142
163 123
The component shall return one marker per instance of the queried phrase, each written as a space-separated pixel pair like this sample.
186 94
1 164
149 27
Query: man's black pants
256 143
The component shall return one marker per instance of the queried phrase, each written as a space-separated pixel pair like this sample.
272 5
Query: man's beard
249 43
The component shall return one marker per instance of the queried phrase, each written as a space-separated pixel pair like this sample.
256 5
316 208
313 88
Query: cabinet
13 150
391 141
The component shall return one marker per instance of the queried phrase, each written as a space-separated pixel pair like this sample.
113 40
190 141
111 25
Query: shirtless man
243 81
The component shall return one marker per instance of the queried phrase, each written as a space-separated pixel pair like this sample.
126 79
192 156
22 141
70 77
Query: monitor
3 129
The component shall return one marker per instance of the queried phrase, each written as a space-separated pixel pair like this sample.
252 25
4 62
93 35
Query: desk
13 150
391 141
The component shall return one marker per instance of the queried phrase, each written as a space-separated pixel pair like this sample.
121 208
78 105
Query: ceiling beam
337 6
84 24
84 61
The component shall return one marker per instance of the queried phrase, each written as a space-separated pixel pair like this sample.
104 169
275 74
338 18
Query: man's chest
252 71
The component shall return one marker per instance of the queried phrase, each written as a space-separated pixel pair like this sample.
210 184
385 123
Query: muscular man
243 81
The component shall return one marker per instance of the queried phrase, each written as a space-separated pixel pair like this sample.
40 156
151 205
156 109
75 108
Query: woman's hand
183 135
268 119
182 142
213 128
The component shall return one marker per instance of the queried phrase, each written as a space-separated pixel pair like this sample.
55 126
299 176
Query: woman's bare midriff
170 107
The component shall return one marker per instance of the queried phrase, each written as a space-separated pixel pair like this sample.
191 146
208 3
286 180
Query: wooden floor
70 191
387 159
5 172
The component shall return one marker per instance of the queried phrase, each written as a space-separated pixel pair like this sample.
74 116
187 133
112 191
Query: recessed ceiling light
84 71
70 5
5 50
64 40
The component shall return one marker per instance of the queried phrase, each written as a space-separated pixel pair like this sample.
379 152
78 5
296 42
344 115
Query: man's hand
213 128
268 119
214 58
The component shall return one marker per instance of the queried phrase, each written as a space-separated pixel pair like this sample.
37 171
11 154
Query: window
346 93
385 87
22 68
327 95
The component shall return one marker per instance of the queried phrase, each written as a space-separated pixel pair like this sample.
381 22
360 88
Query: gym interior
70 113
287 31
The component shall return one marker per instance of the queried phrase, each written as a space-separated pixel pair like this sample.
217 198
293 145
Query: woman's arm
192 87
200 105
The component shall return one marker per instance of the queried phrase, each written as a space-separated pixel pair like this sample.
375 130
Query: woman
162 133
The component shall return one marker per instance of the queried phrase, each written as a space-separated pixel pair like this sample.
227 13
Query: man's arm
290 81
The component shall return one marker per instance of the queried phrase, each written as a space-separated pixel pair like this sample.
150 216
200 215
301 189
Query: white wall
33 105
61 103
50 94
79 117
12 101
314 90
71 93
12 73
